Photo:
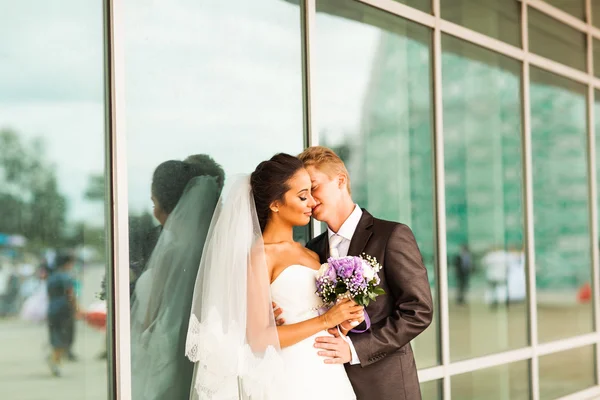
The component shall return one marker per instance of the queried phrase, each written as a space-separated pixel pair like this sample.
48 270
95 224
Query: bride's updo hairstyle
269 183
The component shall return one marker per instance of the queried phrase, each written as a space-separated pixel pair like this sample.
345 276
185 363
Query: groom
379 362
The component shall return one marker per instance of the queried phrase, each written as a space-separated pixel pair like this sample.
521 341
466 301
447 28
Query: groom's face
327 193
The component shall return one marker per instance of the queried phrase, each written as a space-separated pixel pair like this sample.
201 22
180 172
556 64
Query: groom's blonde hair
326 161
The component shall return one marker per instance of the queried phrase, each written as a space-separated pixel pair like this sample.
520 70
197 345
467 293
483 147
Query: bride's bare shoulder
312 254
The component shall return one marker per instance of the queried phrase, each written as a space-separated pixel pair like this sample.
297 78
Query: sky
214 77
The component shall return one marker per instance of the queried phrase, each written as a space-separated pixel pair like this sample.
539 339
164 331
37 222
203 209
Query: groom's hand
335 348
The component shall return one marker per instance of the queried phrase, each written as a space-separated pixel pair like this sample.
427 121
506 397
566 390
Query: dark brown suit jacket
387 369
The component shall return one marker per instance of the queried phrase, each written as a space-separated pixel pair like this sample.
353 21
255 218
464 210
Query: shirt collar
349 226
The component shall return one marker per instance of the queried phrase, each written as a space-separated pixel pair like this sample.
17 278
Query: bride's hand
344 310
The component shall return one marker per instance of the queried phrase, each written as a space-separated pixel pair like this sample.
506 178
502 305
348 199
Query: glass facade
54 250
478 125
484 200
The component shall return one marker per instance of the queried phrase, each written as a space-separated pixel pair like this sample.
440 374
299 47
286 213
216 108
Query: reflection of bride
163 293
250 256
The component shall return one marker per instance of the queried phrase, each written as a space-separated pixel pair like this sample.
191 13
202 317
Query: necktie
334 243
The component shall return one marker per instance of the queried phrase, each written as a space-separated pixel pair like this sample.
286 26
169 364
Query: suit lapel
362 234
322 247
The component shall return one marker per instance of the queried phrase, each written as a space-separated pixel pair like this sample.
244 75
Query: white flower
368 271
322 270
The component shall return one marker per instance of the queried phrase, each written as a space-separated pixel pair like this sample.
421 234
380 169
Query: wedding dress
163 297
232 336
306 375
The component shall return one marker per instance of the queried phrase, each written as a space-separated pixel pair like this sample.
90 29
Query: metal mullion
440 196
559 15
431 374
307 15
308 10
591 393
528 202
570 343
404 11
120 227
481 40
490 361
558 68
593 188
468 35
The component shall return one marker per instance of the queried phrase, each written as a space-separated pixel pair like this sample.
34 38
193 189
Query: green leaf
379 290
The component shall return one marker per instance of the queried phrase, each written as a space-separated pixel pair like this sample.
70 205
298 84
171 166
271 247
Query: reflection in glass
566 372
595 13
574 7
596 54
560 195
597 134
504 382
498 19
53 249
555 40
484 212
212 89
423 5
373 102
431 390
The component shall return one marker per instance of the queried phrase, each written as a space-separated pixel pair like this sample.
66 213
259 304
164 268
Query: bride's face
298 201
159 213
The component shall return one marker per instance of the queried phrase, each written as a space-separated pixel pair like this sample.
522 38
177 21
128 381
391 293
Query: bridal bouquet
349 277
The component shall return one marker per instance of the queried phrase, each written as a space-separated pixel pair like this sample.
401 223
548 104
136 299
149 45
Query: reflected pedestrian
62 310
463 263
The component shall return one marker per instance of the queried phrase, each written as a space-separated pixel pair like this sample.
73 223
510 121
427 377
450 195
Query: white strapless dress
307 376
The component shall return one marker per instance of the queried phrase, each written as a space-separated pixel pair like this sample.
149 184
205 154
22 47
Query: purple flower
331 274
344 266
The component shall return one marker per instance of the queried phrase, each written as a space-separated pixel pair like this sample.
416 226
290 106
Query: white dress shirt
346 231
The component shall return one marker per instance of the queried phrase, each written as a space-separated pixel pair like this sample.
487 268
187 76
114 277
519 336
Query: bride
249 261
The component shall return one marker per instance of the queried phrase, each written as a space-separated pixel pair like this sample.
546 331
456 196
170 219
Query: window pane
510 381
596 13
566 372
484 211
373 101
204 79
574 7
597 133
560 195
423 5
554 40
498 19
596 53
432 390
53 248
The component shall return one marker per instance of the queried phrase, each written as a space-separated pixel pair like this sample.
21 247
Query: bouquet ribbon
367 322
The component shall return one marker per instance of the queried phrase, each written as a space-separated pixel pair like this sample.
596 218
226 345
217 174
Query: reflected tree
31 202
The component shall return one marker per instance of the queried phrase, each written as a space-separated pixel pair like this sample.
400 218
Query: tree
30 200
96 189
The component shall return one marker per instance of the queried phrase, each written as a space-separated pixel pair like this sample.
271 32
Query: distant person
10 284
495 265
62 310
463 264
185 195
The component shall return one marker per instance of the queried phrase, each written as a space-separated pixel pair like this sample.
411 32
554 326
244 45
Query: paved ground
475 329
24 375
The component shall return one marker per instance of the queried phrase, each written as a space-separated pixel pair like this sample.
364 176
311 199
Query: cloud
216 77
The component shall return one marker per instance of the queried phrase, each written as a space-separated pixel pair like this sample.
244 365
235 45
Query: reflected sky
51 86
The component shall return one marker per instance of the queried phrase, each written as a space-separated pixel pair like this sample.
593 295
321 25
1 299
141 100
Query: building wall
446 120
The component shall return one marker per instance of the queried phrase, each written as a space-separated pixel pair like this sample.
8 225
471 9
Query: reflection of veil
232 335
163 296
